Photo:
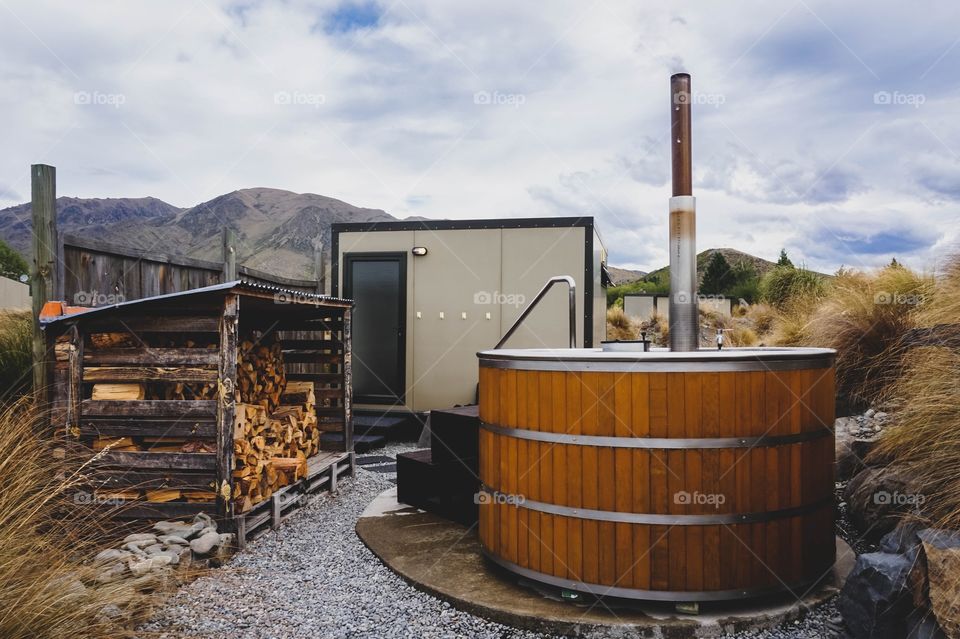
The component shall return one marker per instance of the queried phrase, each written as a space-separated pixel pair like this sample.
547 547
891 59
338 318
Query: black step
378 425
455 435
361 443
446 489
395 426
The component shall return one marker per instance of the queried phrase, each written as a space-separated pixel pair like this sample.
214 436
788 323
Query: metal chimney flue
684 315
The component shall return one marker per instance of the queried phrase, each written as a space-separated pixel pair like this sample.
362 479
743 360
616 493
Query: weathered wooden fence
94 273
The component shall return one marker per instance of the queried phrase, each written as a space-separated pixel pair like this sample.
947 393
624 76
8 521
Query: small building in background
641 306
431 294
14 295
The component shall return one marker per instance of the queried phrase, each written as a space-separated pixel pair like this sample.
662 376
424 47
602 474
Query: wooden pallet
324 470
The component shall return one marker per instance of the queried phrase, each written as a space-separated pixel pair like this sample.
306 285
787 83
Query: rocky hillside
139 221
276 229
733 257
623 275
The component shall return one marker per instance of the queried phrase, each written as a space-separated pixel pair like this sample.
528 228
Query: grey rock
204 544
140 537
877 498
154 549
142 567
177 555
875 599
921 624
111 573
185 531
173 539
901 540
869 413
111 611
205 519
110 556
880 415
134 548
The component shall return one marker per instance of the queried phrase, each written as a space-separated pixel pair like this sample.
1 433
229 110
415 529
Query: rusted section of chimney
684 315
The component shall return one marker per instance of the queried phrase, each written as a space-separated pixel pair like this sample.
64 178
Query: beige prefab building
641 306
429 295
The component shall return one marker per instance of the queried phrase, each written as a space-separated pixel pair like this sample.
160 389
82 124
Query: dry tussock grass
619 325
926 434
45 589
864 316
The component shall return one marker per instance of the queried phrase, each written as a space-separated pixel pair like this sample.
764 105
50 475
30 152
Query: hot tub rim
727 360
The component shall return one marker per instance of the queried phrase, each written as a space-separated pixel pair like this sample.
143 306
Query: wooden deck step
361 443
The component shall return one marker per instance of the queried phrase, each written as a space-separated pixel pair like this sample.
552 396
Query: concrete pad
443 558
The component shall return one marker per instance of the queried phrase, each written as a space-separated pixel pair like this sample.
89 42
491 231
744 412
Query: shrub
16 353
785 285
762 316
44 591
12 264
619 325
791 326
740 335
746 289
864 316
658 329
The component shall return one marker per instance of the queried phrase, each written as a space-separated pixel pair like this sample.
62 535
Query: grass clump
925 435
787 285
619 325
45 588
16 353
864 316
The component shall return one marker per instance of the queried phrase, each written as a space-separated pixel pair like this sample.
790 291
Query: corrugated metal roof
290 296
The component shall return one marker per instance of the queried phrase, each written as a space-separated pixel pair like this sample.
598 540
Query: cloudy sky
828 128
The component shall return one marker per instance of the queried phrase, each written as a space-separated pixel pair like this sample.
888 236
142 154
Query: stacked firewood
260 375
271 448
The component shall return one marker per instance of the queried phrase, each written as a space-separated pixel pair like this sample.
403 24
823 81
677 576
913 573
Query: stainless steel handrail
572 321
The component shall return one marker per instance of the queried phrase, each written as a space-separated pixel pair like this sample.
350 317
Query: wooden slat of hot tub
591 528
573 397
623 475
606 426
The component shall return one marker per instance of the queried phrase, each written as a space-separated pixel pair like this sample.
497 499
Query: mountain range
276 229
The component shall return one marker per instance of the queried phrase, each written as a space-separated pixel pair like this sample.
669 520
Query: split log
118 391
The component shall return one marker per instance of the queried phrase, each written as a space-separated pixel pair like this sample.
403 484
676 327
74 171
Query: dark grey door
377 282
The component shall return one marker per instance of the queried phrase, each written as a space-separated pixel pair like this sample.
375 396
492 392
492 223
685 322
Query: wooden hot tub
662 475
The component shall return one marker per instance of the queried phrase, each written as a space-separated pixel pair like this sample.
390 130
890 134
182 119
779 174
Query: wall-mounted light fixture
419 250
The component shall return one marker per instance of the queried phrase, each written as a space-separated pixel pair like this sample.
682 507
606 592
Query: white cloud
788 138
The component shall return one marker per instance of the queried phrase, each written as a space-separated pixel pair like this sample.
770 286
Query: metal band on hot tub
665 443
636 593
663 366
655 519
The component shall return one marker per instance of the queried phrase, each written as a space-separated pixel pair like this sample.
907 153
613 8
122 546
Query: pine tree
716 275
784 260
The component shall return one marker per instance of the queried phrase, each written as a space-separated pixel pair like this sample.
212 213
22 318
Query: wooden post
229 255
43 269
227 408
347 384
318 269
74 398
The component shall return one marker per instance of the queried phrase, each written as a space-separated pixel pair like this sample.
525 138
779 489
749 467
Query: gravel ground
315 578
